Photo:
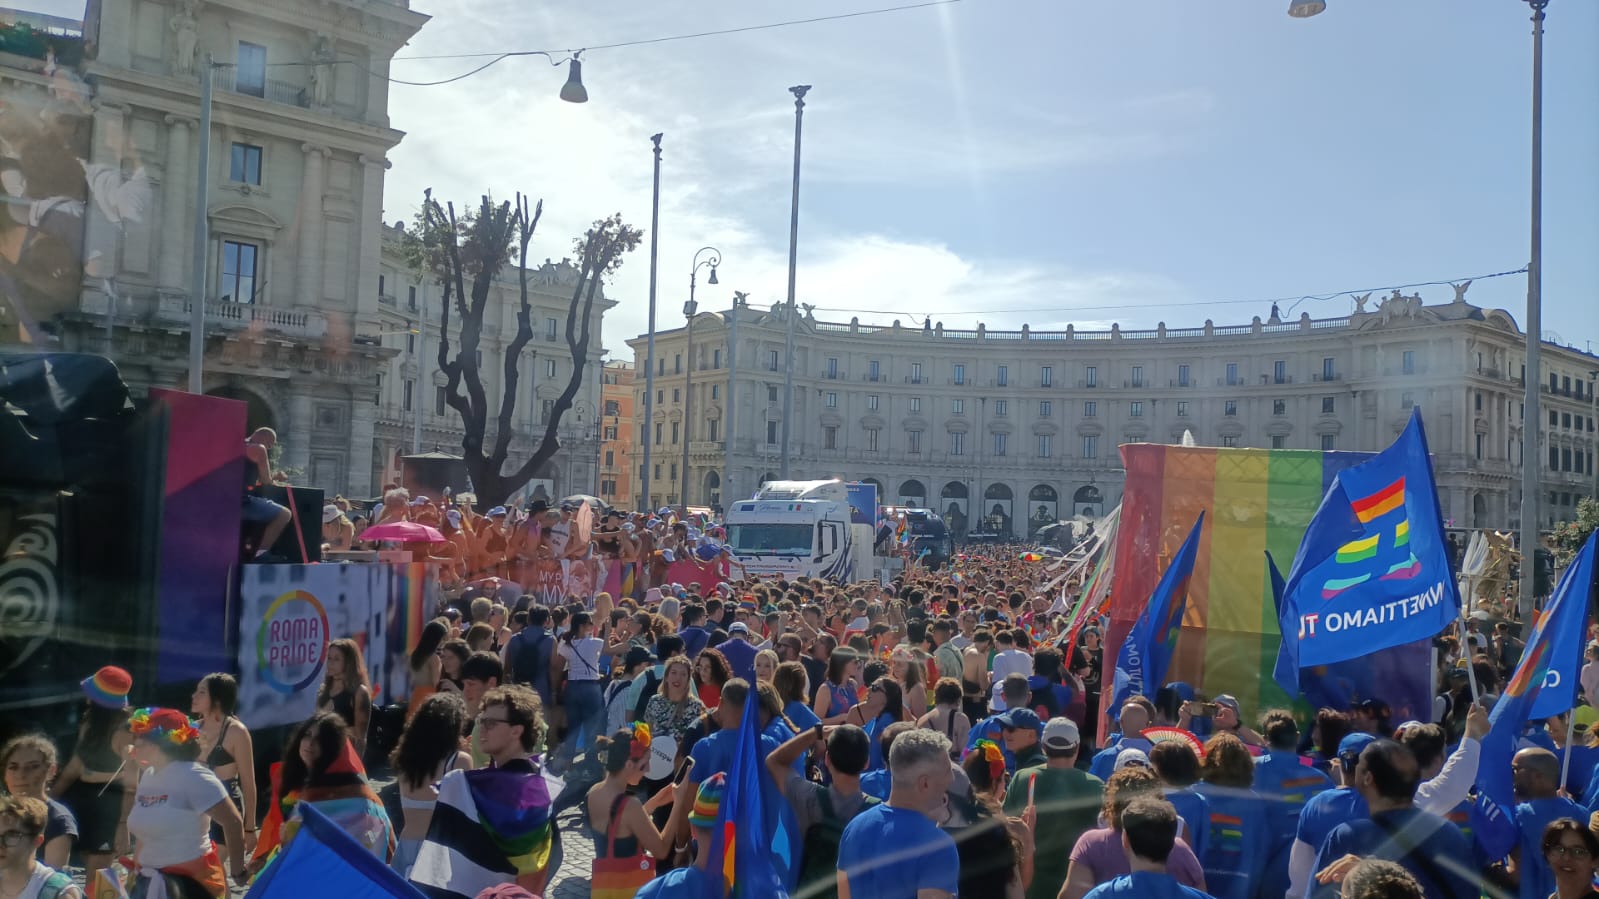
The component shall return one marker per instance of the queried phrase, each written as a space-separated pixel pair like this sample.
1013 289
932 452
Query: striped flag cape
491 826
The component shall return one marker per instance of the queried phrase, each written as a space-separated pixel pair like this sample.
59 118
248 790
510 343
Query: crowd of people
944 734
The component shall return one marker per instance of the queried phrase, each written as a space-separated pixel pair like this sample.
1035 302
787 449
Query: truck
930 539
795 528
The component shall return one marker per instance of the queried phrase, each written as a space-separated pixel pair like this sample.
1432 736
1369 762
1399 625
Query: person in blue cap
1022 730
1326 811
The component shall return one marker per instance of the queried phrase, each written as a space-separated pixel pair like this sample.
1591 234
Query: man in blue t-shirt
739 652
1287 784
894 850
1535 774
1429 847
1325 811
713 754
1134 718
1149 830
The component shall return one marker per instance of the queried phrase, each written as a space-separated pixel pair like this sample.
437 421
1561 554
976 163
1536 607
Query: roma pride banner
1258 501
290 613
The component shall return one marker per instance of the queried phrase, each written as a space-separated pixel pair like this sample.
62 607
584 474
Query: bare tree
465 254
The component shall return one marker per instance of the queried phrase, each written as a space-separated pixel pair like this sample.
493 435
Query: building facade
298 149
619 435
1011 429
410 411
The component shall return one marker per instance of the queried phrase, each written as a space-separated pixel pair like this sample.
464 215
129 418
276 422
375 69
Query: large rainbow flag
1257 501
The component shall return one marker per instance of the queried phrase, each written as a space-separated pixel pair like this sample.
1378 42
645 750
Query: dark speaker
307 509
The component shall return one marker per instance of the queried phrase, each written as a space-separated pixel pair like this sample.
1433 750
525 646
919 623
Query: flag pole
1471 668
1565 759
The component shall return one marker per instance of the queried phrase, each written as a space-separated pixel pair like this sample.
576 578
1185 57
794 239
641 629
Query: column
362 421
297 442
309 286
101 244
372 169
172 273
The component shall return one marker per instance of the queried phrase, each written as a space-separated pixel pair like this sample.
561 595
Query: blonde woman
766 663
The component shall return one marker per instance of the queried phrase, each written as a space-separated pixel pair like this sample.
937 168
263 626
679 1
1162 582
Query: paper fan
1173 735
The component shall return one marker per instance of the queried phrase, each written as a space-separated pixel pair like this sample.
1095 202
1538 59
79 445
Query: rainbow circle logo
292 644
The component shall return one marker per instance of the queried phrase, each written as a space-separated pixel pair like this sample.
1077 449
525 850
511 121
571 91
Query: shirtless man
258 510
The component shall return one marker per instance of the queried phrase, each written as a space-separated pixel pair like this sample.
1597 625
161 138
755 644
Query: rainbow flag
411 586
1259 501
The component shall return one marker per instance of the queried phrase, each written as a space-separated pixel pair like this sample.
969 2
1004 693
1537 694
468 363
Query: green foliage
482 241
1571 535
611 239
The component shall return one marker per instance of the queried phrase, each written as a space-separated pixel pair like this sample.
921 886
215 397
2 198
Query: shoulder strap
949 725
610 826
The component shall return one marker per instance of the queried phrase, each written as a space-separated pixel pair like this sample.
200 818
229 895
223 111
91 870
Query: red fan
1173 735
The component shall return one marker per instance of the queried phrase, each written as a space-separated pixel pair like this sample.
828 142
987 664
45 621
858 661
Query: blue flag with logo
1565 612
1146 655
1373 568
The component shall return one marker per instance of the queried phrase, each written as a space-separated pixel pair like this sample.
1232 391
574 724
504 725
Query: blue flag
323 860
1147 653
1518 703
1373 568
749 844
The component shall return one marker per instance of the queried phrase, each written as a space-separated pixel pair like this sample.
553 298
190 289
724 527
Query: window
957 443
832 367
1407 362
410 387
674 471
1554 458
916 373
832 400
1329 405
1000 443
610 432
871 402
675 432
1001 408
873 370
410 296
1090 408
658 430
960 373
1279 442
957 407
771 393
1091 376
771 360
1046 376
249 75
1232 374
677 394
1279 407
771 431
1279 372
438 400
677 363
1045 408
245 168
1183 372
1477 400
830 437
913 441
410 343
1328 443
1135 409
1229 407
916 404
548 409
238 271
1138 376
1003 378
1182 408
660 397
1229 440
1091 447
551 328
716 358
657 471
872 435
1328 372
1565 420
1407 399
716 391
711 428
549 368
1045 445
1479 445
660 366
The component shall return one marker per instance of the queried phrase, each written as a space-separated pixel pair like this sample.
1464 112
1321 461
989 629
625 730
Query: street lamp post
1531 422
649 352
689 309
799 91
200 236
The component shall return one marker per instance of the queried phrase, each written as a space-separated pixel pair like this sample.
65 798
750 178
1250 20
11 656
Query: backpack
528 659
650 686
819 857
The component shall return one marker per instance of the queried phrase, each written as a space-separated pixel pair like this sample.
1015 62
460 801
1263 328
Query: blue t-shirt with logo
1326 811
923 857
1235 848
1287 784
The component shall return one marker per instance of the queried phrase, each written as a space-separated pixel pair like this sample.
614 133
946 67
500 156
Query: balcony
388 299
303 323
225 78
1324 376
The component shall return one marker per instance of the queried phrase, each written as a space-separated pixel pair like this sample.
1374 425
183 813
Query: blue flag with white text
1565 611
1372 571
1146 655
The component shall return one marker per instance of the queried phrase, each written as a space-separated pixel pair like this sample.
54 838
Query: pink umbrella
404 532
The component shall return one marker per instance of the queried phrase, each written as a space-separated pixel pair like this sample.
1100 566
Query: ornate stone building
1021 427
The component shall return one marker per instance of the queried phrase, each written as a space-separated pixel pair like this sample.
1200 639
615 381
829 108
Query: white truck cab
794 528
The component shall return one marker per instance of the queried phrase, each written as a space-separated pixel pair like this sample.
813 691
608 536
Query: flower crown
994 757
639 741
168 725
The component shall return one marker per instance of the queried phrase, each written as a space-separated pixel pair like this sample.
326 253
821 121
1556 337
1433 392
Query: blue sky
1046 161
